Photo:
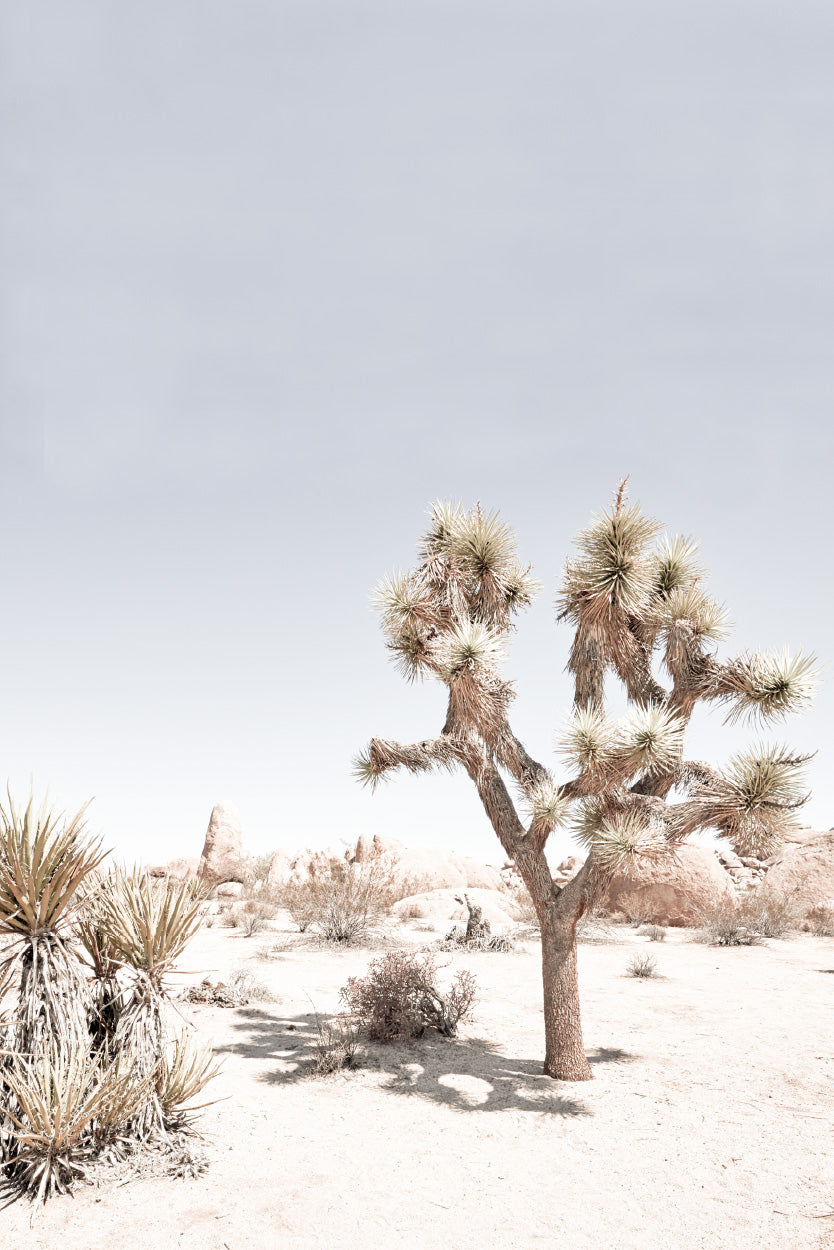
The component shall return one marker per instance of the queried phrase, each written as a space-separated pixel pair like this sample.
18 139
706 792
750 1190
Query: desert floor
710 1121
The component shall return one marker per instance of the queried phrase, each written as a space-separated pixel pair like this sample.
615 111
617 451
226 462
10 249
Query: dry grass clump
642 966
400 998
337 1043
655 932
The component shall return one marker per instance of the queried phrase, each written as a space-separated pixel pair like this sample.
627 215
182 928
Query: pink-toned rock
383 845
670 892
280 868
364 849
180 869
570 867
429 870
223 847
444 908
804 869
228 889
478 876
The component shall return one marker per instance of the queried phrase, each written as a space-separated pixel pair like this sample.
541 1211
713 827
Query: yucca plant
147 923
44 860
185 1071
635 604
61 1109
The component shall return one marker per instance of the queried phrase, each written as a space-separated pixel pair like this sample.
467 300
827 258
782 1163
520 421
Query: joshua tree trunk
564 1056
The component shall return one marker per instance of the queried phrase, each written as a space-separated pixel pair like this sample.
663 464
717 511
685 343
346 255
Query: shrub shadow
467 1074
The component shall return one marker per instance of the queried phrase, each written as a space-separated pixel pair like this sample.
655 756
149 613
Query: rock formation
223 847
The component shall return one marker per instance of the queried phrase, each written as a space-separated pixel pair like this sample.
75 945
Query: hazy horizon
278 275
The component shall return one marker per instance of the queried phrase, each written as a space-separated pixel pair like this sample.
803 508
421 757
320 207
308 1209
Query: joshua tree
629 601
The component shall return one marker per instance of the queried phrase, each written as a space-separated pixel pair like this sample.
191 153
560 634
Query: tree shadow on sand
467 1074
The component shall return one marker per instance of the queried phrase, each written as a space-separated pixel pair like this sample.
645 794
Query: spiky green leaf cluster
589 739
185 1071
149 921
621 841
651 739
44 859
61 1104
707 618
753 803
677 566
470 646
616 570
546 804
768 685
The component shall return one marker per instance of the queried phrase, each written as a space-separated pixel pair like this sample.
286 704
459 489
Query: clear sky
278 273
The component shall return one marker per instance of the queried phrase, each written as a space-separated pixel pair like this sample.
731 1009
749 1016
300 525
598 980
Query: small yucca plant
44 860
60 1107
147 923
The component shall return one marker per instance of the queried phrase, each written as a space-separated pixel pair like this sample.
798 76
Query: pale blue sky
278 274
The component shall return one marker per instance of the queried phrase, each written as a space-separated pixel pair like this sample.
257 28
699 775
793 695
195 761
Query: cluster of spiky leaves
637 601
75 1081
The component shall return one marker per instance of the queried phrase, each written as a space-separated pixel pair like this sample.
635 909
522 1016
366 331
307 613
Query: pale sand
710 1121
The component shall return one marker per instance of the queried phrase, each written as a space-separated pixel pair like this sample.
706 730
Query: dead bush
341 901
728 921
655 933
819 920
413 911
252 916
337 1041
400 998
771 913
636 911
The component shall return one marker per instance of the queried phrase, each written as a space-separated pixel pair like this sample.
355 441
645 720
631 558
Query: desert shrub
227 916
770 913
819 920
642 965
252 916
728 921
655 933
337 1041
636 911
414 911
399 998
341 901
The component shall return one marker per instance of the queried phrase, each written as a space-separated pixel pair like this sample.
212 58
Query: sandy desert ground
709 1124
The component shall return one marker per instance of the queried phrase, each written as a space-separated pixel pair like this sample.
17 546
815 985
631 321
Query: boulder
228 889
569 867
669 891
429 870
180 869
478 876
280 868
223 847
386 846
444 908
364 848
804 868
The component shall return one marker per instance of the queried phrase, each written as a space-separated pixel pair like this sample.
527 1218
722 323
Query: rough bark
558 911
564 1057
